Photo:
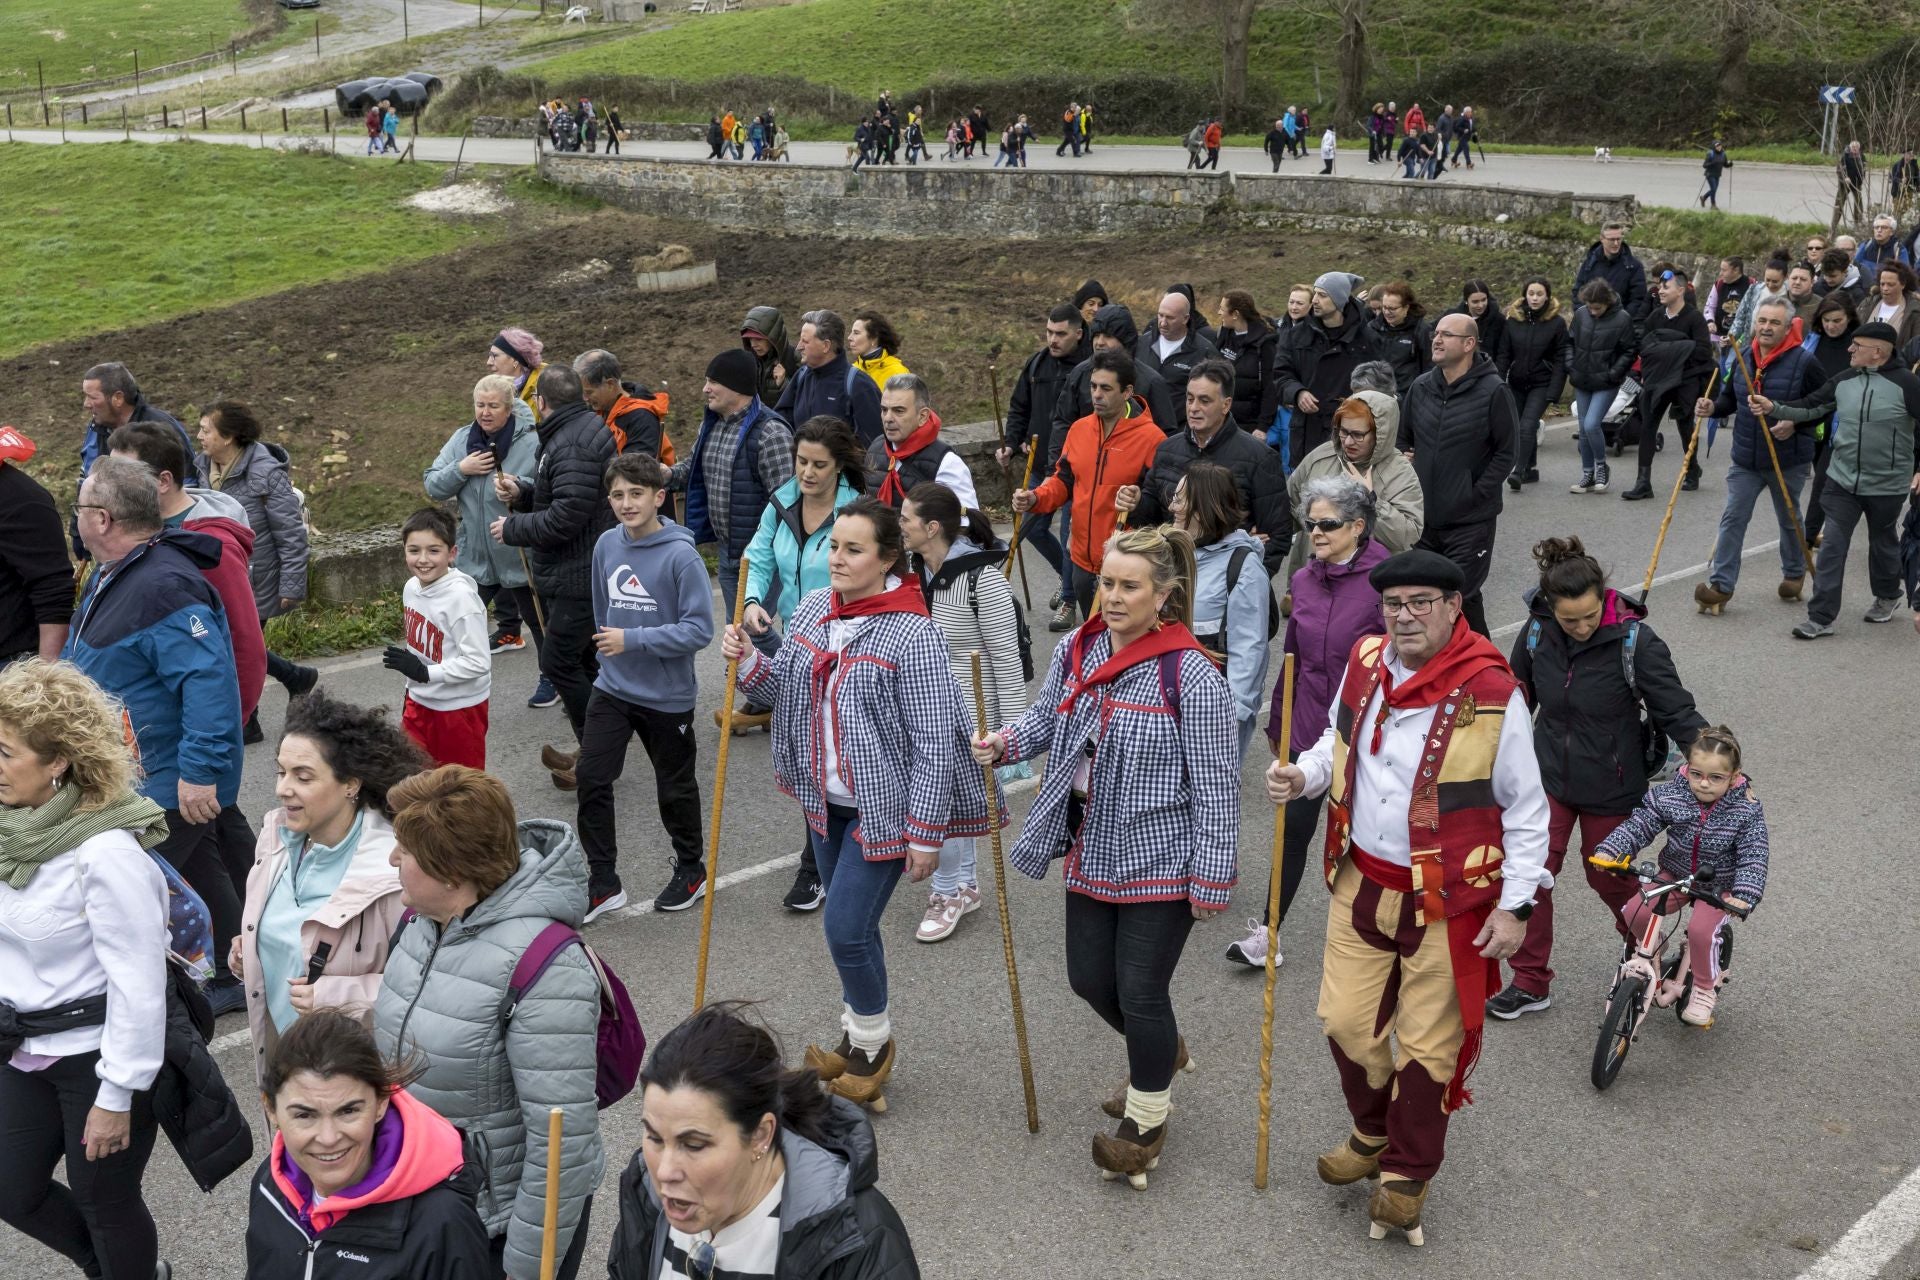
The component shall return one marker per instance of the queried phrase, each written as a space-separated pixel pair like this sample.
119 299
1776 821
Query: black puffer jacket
1407 346
1603 348
1256 396
834 1223
1257 473
567 510
191 1099
1535 352
1674 350
1035 394
1461 436
1492 326
1587 734
1320 360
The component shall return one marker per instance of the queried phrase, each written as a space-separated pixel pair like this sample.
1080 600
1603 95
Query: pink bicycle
1643 983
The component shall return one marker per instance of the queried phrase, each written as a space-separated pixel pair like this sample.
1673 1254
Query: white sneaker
1252 949
1699 1010
944 912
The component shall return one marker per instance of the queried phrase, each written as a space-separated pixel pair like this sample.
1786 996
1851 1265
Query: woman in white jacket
957 559
1230 590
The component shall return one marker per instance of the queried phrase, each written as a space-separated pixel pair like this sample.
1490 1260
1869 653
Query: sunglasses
1323 526
1669 275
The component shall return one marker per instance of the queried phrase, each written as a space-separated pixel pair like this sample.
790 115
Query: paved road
1791 192
1746 1150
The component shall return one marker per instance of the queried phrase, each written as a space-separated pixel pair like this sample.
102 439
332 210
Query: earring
59 780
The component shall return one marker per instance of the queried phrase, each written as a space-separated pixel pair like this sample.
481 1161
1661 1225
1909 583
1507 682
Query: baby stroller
566 132
1620 413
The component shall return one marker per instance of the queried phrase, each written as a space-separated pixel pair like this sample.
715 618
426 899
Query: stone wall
1030 204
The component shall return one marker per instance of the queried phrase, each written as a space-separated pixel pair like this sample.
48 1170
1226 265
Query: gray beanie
1337 285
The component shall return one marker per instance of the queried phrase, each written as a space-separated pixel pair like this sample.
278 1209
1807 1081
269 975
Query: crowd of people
407 951
580 127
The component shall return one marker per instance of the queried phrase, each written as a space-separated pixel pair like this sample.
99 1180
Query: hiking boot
1884 607
687 886
1396 1206
505 641
1252 949
1356 1158
1710 598
745 719
1583 485
226 995
1116 1102
601 901
864 1082
1811 630
1064 617
1129 1153
544 695
1699 1010
1513 1002
1602 475
807 893
557 761
1053 601
1792 588
944 912
1642 487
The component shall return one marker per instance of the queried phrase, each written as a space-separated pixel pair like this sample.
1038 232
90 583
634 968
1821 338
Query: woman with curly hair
873 344
83 961
323 899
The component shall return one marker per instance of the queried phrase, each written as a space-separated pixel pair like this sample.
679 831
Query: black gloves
407 663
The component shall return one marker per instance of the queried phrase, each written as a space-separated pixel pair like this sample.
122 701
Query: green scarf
32 836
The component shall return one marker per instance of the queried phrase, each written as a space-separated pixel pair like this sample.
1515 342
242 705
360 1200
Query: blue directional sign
1836 95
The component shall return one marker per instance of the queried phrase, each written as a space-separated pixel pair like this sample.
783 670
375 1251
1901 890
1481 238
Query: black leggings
97 1218
1120 960
1677 402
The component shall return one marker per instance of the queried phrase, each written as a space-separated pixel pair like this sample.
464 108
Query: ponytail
721 1053
1567 572
935 503
1169 551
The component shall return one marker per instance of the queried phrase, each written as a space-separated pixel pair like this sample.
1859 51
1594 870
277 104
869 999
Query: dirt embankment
375 373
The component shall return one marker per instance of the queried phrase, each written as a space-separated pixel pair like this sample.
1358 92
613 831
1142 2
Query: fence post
326 118
166 122
136 73
46 113
233 57
83 113
41 68
316 37
283 120
203 119
243 119
125 128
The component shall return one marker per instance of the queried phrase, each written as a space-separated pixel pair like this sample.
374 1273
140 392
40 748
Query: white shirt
957 476
747 1250
840 634
1887 310
1383 785
93 919
1167 346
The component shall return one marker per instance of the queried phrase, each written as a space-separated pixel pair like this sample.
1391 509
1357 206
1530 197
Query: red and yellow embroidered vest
1453 825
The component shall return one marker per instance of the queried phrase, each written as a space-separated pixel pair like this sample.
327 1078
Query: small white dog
1603 155
578 13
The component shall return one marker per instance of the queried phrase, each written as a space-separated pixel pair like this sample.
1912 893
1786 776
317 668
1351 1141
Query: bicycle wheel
1616 1029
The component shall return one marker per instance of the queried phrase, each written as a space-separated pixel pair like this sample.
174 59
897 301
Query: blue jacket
835 389
1795 373
95 446
745 489
782 553
657 592
151 633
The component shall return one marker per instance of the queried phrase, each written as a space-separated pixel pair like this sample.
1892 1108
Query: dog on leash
578 13
1603 155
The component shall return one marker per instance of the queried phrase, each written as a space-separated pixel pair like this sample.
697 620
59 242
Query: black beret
1417 568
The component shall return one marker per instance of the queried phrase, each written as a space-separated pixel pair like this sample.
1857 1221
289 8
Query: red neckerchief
1466 655
905 598
1170 637
925 434
1795 336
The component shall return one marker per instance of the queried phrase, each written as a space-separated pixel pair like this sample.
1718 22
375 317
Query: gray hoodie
655 589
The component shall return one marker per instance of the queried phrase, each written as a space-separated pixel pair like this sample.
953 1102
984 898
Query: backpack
1234 562
1657 753
621 1042
1021 631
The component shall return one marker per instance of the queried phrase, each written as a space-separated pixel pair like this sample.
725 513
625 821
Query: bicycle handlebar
1650 871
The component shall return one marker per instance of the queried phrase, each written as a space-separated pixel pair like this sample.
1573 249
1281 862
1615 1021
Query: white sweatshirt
91 920
447 628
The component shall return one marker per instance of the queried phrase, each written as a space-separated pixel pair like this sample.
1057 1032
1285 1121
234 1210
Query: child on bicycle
1712 819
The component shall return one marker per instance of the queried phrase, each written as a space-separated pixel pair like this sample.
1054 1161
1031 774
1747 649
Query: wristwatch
1522 911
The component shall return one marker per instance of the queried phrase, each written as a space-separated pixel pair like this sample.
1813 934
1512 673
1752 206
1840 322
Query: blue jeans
768 644
857 894
1743 487
1590 410
1036 533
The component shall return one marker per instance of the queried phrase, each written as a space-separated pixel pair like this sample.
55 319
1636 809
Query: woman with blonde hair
1143 805
83 968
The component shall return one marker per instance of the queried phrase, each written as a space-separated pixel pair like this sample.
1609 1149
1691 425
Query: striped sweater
993 630
1730 835
1163 805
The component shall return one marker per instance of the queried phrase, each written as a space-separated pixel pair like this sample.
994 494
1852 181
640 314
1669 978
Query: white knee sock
867 1032
1148 1111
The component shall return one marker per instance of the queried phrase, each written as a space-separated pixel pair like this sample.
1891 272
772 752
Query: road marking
1872 1242
1513 628
236 1039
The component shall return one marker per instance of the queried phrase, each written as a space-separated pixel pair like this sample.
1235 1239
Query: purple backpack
622 1042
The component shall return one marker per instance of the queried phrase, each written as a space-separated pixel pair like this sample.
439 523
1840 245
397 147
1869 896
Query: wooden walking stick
1273 932
539 614
1006 920
1786 495
1686 465
719 799
550 1232
1000 431
1013 552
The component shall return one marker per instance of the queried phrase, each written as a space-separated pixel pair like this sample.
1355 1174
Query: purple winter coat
1333 607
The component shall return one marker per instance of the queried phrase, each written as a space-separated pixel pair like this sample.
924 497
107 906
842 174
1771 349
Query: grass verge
215 225
1688 230
318 631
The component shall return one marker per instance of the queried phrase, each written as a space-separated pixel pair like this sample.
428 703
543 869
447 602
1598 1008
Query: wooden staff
1766 433
539 614
1273 932
1686 464
1019 521
1006 920
550 1232
719 798
1000 431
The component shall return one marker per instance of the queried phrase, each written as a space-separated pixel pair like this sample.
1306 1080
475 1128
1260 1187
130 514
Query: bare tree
1351 61
1232 23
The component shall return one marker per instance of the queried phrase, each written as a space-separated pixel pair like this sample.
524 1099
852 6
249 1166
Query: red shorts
450 737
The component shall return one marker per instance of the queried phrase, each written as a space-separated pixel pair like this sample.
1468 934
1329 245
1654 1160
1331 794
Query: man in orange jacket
1109 448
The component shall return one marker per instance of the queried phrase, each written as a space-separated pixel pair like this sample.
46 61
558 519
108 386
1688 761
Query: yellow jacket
880 366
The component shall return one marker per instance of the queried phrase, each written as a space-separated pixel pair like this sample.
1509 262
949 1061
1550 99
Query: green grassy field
89 39
211 225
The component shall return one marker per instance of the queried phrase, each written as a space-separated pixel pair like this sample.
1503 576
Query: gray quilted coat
258 479
441 1002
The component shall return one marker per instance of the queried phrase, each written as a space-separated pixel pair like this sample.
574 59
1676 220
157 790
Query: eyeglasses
1324 526
1419 606
1354 437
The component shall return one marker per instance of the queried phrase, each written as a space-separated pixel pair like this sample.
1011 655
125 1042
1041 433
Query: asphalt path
1790 192
1747 1150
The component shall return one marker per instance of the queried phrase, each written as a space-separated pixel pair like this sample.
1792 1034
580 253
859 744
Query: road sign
1836 95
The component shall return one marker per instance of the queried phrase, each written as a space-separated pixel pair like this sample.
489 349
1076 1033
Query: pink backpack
622 1043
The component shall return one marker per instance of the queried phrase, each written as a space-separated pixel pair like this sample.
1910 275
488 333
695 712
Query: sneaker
226 995
544 694
1583 485
1883 609
687 886
598 904
1699 1010
1064 617
1252 949
1513 1002
807 893
505 641
944 912
1811 630
1601 475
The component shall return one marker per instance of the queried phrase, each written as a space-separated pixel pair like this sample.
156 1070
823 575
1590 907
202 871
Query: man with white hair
1883 248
